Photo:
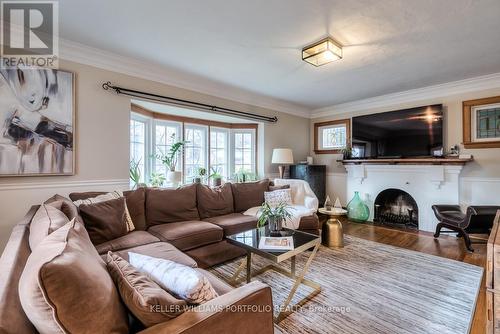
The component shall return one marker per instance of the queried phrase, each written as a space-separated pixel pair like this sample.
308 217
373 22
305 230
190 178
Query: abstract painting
36 122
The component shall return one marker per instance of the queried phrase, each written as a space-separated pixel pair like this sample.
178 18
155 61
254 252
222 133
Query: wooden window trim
148 113
467 123
189 120
346 122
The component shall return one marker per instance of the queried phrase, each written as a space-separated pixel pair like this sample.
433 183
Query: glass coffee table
302 241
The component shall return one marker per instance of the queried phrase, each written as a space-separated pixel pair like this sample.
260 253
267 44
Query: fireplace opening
396 207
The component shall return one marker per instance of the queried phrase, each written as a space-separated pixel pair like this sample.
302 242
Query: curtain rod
186 103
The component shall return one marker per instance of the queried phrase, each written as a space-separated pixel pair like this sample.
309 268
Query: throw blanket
304 202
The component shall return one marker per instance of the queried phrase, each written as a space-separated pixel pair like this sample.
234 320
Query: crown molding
83 54
485 82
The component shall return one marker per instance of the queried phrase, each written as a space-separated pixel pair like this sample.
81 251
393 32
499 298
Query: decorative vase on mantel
357 210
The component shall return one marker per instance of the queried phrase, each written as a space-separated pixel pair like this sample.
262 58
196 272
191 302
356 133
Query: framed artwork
37 119
481 123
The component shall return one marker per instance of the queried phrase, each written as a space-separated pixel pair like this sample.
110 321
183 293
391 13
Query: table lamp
282 156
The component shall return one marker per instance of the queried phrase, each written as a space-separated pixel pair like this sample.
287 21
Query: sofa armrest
248 308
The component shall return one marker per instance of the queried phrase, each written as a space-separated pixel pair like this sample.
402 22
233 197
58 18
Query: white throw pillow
106 197
274 198
183 281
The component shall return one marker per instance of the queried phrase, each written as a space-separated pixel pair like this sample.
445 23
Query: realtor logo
29 34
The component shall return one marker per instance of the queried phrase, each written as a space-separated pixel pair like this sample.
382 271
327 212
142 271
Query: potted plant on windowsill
170 161
274 215
201 172
216 177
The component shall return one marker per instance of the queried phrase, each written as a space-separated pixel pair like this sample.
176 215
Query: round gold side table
332 234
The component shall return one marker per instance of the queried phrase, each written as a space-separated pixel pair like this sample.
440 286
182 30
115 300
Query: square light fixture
322 52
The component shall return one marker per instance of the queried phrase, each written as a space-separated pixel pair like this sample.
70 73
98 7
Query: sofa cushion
171 205
143 297
46 220
182 281
131 239
234 223
106 220
309 222
163 250
216 201
249 194
69 209
136 204
65 287
189 234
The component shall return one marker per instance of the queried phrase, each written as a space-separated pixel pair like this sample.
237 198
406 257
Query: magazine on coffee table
276 243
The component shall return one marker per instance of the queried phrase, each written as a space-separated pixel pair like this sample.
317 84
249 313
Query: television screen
415 132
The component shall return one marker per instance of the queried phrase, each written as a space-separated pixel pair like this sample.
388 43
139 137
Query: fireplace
396 207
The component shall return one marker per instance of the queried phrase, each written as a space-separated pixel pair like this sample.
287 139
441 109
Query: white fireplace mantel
427 184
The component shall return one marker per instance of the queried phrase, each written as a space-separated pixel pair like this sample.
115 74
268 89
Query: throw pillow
183 281
105 221
107 197
213 202
46 220
142 296
65 288
272 187
276 197
68 207
135 204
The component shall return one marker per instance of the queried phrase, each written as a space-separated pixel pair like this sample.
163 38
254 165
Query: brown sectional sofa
186 225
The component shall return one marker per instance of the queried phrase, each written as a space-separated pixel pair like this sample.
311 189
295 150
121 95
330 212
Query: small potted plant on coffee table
274 215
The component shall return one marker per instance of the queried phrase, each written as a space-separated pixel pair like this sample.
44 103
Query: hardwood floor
446 246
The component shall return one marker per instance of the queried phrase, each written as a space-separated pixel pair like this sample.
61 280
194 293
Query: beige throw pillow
276 197
142 296
65 288
106 197
183 281
47 219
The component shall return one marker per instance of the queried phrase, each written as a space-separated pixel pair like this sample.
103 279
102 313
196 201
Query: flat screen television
415 132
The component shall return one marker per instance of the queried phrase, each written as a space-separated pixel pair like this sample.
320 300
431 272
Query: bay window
223 148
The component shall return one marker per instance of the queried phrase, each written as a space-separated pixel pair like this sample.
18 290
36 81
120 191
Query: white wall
102 141
480 179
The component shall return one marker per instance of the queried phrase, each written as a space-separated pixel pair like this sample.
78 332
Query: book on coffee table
276 243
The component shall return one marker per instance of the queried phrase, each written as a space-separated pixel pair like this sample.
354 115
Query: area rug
369 287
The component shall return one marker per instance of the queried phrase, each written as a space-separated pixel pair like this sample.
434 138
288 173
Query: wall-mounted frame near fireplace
481 123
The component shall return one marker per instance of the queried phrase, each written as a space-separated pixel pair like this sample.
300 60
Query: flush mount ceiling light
322 52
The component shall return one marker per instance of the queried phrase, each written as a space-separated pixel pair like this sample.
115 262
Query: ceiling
254 46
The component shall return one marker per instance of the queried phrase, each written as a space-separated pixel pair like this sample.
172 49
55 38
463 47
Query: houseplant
201 172
135 173
346 152
216 177
274 215
170 161
156 179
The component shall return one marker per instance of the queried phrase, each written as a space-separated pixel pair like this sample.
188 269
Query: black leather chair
477 219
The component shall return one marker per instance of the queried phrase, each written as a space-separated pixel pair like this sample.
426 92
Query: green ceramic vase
357 210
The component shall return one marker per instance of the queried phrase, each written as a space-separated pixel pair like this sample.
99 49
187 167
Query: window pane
195 150
137 146
333 137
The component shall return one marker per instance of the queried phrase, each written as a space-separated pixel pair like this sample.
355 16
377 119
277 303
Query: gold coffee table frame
278 258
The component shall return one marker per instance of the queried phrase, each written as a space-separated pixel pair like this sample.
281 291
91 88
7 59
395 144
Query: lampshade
282 156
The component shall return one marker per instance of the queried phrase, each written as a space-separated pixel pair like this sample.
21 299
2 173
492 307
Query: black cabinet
315 175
